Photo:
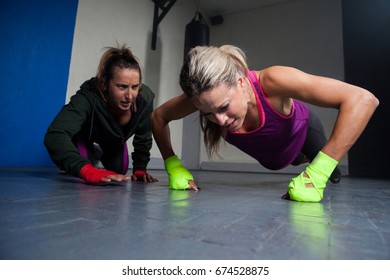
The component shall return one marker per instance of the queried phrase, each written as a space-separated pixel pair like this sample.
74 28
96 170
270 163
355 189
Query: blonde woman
264 113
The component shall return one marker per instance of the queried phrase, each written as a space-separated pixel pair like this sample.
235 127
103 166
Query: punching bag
196 34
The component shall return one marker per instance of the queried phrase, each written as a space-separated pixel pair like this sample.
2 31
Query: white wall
306 34
102 23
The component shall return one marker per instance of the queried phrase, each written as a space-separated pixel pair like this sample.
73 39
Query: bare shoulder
279 74
282 81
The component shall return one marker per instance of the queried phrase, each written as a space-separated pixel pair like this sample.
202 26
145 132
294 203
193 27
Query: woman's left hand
140 175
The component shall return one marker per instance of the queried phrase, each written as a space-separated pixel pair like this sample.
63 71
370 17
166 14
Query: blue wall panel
36 44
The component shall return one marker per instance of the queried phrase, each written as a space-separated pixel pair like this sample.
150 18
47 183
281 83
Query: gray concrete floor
45 214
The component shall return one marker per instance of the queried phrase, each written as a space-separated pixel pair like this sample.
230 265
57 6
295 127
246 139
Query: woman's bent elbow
366 101
371 101
156 118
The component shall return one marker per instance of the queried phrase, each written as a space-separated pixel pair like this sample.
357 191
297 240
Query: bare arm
174 109
355 105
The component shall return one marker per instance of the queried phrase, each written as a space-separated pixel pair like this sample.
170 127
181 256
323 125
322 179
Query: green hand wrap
318 172
177 173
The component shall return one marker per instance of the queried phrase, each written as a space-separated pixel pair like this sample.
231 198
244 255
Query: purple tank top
279 139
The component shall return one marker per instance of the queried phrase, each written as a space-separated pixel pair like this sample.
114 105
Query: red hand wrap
94 175
140 174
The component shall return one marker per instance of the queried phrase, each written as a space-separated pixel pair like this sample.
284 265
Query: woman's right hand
94 175
179 177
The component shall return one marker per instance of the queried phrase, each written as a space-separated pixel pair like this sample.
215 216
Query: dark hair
121 57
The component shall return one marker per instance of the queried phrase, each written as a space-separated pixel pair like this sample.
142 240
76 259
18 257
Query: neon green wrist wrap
318 173
178 175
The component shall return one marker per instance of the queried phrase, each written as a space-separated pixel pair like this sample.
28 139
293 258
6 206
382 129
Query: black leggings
315 140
